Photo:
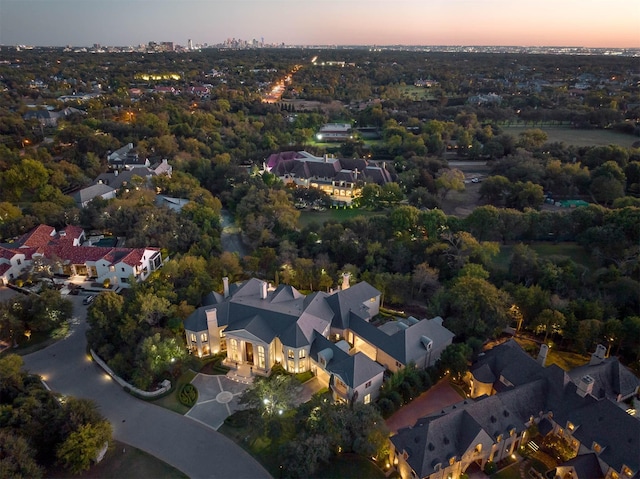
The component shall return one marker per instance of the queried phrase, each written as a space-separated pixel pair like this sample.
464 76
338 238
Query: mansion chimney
542 355
599 355
585 385
225 283
263 290
345 281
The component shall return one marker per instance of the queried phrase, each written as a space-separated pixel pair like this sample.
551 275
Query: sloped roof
610 378
353 370
586 466
351 299
91 192
405 343
510 361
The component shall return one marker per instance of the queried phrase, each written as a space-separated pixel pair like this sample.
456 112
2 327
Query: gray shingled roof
586 466
547 390
351 299
91 192
610 378
405 344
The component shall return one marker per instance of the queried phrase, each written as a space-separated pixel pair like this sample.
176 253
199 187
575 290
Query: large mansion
327 333
341 178
510 394
66 253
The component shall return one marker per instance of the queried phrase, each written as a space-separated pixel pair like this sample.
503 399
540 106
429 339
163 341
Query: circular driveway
217 399
190 446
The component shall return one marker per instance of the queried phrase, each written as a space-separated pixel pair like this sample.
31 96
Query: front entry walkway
217 399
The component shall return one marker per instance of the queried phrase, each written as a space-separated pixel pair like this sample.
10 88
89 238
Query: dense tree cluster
39 430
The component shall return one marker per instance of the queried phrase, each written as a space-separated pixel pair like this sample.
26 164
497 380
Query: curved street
193 448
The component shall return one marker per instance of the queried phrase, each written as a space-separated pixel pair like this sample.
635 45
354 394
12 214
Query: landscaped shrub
238 418
490 467
386 407
188 395
396 399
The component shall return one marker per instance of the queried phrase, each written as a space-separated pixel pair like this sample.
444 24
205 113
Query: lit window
596 447
193 337
373 300
302 354
478 448
367 399
204 337
570 426
261 360
626 471
290 354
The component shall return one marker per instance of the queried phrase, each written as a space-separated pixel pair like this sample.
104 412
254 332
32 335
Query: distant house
342 179
126 157
86 195
50 118
516 393
260 326
335 132
68 256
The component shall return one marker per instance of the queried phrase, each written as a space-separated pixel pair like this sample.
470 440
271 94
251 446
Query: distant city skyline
584 23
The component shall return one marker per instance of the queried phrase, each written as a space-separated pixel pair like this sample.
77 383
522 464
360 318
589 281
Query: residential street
195 449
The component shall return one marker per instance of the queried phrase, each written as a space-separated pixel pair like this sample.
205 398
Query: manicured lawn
564 359
170 401
572 136
334 214
349 466
511 472
130 463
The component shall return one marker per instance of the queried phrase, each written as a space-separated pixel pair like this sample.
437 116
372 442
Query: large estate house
329 334
66 253
512 396
340 178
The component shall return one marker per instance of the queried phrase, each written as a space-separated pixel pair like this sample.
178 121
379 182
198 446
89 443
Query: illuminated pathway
195 449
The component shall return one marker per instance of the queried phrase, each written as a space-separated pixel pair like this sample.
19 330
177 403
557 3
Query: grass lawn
170 401
349 466
545 249
130 463
510 472
333 214
564 359
572 136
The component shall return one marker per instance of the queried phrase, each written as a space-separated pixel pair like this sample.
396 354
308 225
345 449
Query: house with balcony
517 393
258 326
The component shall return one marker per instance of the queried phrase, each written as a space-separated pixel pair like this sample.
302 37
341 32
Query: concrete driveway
217 399
197 450
435 399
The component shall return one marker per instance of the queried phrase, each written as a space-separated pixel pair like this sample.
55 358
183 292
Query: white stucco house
260 326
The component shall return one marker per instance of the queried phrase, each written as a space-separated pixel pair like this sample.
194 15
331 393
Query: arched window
261 360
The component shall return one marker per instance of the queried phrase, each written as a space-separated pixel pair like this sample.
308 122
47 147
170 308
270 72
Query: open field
572 250
572 136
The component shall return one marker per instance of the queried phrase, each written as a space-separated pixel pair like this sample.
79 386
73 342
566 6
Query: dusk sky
589 23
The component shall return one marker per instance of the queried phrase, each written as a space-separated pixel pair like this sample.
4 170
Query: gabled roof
353 370
351 299
510 361
405 343
39 236
91 192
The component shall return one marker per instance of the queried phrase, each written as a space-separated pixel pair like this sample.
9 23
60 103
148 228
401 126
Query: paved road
230 237
195 449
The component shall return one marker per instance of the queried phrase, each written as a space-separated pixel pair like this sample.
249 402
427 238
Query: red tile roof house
70 258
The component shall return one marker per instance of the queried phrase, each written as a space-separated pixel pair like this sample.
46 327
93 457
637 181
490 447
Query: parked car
88 299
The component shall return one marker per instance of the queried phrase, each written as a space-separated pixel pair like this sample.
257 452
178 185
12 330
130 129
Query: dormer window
597 448
627 471
570 426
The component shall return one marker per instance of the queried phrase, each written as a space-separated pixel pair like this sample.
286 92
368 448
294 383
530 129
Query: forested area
480 272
